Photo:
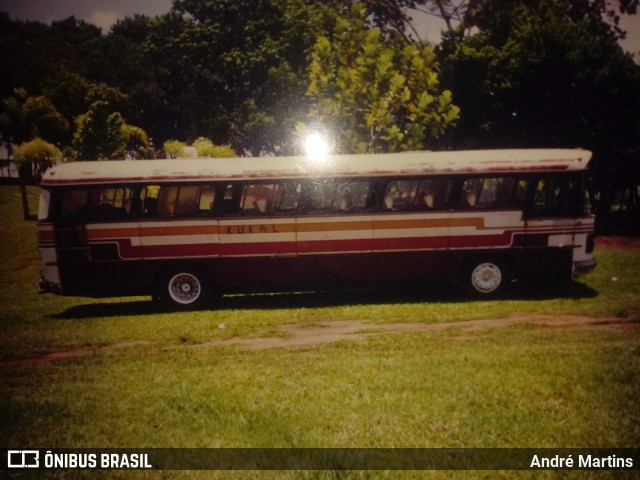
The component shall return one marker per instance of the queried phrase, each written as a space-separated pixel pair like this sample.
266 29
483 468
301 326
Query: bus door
551 221
257 233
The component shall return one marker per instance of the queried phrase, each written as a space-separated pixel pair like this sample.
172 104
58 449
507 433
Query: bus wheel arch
486 276
183 287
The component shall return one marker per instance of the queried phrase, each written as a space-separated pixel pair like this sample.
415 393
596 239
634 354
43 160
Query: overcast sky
102 13
105 13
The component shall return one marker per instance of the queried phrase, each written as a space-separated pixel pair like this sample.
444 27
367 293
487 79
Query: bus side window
320 196
556 197
167 199
354 196
400 194
96 203
269 198
74 203
183 201
207 199
520 194
110 203
493 192
433 194
187 201
470 193
148 201
289 195
258 199
339 196
229 200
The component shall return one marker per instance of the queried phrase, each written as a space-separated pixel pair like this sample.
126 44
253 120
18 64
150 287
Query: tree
461 17
601 17
103 134
43 120
33 158
174 148
541 78
134 68
99 134
23 116
243 89
206 148
137 144
376 95
34 54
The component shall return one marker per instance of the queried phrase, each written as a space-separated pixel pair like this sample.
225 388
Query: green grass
516 386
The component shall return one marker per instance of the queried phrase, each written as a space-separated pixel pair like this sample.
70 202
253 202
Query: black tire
185 288
485 277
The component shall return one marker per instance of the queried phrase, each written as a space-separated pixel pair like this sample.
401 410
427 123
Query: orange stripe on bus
231 229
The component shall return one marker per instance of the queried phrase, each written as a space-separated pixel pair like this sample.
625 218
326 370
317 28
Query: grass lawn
155 385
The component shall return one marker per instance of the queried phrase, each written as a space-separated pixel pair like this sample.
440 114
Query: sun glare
316 147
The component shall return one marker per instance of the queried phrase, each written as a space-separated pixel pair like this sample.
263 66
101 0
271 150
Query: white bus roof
264 168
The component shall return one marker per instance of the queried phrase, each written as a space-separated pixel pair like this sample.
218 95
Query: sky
105 13
102 13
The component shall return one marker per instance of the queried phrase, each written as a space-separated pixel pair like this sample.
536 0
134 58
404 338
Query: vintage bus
181 230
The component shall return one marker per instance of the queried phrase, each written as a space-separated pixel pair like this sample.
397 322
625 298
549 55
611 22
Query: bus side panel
106 259
334 249
419 267
107 279
174 239
257 252
549 245
99 259
231 274
551 263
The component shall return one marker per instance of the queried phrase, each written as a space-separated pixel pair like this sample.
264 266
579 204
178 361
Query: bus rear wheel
185 288
485 277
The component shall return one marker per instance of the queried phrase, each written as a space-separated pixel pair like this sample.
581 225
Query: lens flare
316 147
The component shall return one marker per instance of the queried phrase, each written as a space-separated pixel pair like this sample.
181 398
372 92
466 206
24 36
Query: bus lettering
243 229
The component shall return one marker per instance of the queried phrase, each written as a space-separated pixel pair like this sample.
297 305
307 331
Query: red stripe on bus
127 251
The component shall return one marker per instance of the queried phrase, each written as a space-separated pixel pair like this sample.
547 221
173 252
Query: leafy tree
375 95
206 148
34 54
43 120
137 142
145 77
541 78
103 134
33 158
23 116
174 148
601 17
13 128
246 88
461 17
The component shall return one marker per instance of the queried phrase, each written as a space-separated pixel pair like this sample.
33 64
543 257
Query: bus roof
265 168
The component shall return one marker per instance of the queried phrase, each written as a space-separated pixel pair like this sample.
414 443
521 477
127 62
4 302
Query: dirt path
338 330
352 330
74 353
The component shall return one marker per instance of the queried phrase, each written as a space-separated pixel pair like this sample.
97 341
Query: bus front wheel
485 277
185 288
